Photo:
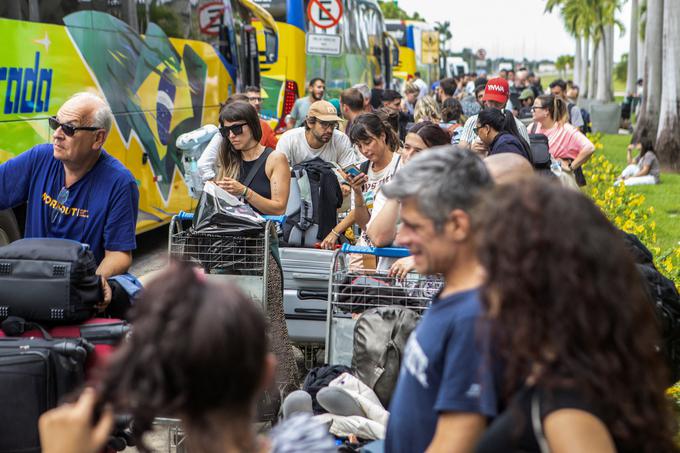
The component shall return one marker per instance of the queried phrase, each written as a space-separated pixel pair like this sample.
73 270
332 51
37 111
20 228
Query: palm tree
632 48
444 30
668 139
648 122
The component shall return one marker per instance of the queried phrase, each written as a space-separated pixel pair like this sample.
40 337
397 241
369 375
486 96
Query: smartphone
352 170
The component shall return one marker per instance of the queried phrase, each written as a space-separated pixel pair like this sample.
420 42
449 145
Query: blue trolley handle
185 215
281 219
386 252
272 218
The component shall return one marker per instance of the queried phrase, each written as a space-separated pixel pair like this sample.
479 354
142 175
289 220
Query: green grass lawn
664 197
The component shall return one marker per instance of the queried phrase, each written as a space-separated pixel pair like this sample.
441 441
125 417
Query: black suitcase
49 280
35 373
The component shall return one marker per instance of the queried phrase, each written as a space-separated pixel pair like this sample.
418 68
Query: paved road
151 253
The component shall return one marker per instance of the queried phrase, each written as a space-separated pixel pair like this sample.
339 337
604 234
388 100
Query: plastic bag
192 145
219 212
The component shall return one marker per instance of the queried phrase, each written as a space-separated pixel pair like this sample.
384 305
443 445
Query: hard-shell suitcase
305 292
35 373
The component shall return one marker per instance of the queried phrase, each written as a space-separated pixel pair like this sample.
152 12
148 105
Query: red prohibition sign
332 21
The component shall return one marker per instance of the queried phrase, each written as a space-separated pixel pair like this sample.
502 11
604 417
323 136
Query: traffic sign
322 44
324 13
209 18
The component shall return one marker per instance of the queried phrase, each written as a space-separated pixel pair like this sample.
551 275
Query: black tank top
260 183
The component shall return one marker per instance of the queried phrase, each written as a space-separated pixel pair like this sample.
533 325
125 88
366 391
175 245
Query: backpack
380 336
315 197
664 295
540 150
586 129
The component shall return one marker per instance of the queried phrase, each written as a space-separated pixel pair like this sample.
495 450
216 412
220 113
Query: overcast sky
507 28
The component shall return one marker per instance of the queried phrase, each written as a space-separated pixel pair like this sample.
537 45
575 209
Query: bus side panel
158 88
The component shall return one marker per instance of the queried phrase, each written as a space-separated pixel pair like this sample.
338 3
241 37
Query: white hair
102 115
364 90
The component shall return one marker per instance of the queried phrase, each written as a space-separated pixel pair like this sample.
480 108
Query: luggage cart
353 291
243 260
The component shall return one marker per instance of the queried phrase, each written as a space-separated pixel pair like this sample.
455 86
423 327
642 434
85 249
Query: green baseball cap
526 94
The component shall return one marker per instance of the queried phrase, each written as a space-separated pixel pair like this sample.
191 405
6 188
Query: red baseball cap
497 90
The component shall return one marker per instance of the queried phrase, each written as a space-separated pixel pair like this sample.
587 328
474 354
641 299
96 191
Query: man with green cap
526 98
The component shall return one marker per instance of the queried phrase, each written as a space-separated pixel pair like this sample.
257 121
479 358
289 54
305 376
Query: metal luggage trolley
243 260
352 291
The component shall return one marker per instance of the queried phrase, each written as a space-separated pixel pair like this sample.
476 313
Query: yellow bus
283 81
164 67
410 36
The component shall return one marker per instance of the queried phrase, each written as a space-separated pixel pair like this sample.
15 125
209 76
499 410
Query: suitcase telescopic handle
385 252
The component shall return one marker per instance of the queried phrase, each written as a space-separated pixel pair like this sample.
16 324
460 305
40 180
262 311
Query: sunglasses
476 129
67 128
236 129
61 199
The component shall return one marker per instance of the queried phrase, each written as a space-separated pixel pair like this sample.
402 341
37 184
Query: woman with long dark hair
246 169
378 142
498 131
573 325
199 353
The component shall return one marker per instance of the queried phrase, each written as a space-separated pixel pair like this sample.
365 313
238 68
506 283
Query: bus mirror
395 56
271 47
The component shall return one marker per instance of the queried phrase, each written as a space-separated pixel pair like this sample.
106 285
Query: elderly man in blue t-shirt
76 190
446 387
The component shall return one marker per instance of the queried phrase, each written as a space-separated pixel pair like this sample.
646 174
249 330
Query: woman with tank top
259 176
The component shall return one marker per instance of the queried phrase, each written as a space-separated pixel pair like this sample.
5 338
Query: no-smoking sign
324 13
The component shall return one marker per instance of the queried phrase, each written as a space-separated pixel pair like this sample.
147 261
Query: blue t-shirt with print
100 209
444 369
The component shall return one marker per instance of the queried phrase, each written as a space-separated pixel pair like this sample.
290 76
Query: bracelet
337 235
245 193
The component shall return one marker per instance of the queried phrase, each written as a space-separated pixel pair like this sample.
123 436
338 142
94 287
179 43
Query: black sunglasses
67 128
236 129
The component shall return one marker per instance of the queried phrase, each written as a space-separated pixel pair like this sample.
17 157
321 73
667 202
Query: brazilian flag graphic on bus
157 87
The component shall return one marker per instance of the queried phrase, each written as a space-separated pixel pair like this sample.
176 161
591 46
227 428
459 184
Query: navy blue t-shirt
507 143
100 209
444 369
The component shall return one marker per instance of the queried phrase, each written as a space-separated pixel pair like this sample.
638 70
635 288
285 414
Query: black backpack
540 150
315 197
48 280
320 377
664 295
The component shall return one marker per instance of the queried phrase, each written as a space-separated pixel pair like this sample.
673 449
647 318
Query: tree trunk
640 58
648 123
577 62
632 49
609 30
592 77
668 138
583 77
602 92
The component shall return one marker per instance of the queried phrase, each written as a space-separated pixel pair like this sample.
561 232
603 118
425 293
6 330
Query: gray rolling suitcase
305 292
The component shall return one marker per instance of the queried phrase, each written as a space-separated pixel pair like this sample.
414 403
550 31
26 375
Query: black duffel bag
50 280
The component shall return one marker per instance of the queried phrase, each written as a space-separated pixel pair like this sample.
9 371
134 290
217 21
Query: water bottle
555 167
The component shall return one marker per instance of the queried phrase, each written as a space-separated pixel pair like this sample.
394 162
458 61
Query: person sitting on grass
644 169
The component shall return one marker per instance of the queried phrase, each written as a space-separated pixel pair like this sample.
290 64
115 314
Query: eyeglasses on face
537 107
327 124
67 128
476 129
254 99
61 199
236 129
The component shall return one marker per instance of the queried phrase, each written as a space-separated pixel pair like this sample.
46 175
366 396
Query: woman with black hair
574 326
199 353
377 141
497 129
259 176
